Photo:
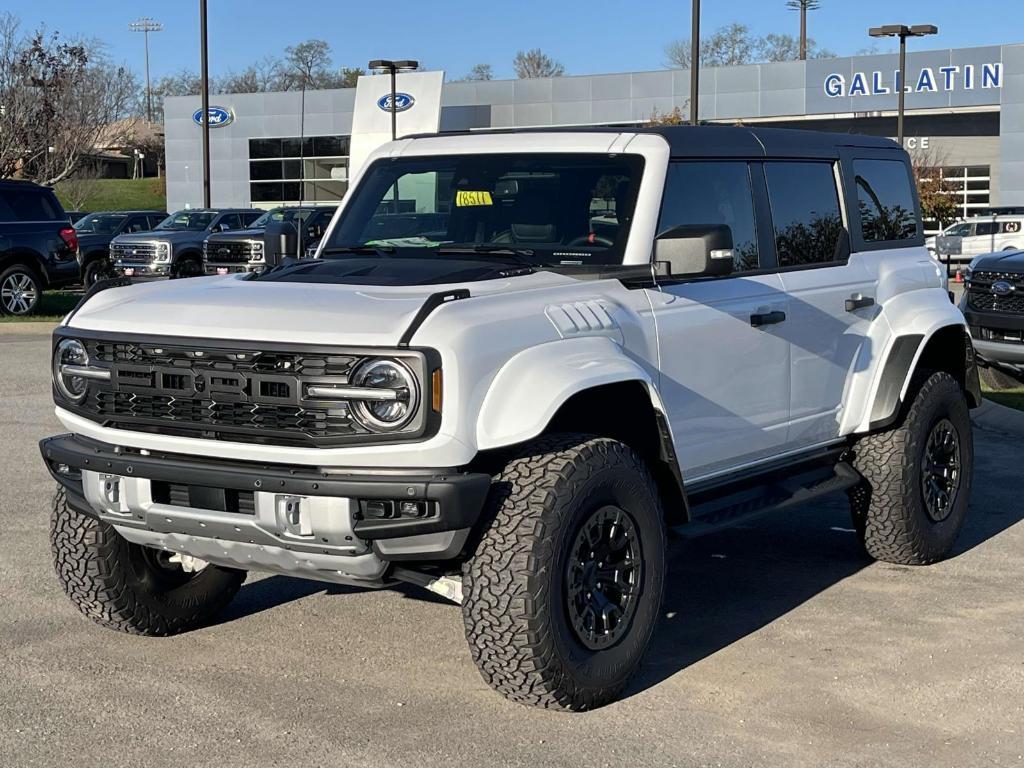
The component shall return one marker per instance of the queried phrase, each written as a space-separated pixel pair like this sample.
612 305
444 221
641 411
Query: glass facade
292 170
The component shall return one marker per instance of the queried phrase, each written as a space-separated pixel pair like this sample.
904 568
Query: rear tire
94 271
576 526
128 587
21 290
917 478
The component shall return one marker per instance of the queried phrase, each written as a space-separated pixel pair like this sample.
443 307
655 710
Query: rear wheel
562 593
94 271
917 477
128 587
21 290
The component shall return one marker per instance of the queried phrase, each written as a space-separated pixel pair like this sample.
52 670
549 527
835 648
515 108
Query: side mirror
695 250
280 240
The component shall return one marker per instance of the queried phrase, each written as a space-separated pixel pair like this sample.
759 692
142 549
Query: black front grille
220 393
203 497
986 301
228 251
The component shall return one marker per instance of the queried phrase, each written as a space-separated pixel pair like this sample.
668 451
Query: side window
885 200
986 228
228 221
27 204
805 212
136 224
698 192
249 218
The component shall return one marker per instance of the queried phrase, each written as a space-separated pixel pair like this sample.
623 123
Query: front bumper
157 270
998 336
232 268
312 522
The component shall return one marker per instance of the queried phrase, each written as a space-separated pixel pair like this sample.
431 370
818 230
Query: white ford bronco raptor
517 358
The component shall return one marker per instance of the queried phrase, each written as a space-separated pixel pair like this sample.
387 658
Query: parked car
97 230
174 248
993 303
471 390
243 250
38 246
961 242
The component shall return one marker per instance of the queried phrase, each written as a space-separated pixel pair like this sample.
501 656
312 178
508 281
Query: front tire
128 587
917 478
94 271
563 591
188 268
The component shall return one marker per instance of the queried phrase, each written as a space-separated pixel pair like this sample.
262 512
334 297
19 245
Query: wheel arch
28 259
583 385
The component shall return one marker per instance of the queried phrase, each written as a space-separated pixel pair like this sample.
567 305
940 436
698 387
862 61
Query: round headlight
70 352
400 395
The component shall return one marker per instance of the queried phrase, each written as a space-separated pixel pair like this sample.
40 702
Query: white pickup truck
516 360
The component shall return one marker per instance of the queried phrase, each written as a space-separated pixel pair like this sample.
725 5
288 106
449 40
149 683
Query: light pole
204 65
902 31
393 68
147 25
694 60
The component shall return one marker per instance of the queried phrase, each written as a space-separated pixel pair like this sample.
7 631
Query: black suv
97 230
175 247
993 304
38 246
243 250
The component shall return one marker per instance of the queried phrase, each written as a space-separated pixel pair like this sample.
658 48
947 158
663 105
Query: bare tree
782 47
260 77
727 46
58 99
81 186
674 117
536 63
480 72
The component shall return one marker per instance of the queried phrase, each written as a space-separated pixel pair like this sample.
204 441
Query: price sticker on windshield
465 198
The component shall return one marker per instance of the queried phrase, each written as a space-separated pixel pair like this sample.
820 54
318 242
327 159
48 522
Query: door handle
767 318
857 301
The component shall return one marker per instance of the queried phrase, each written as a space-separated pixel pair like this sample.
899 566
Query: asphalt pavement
781 644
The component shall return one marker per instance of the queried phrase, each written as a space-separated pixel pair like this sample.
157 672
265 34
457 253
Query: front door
724 377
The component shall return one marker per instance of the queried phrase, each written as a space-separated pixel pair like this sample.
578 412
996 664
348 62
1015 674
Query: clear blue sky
588 37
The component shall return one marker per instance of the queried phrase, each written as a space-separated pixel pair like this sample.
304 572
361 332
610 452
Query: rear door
724 382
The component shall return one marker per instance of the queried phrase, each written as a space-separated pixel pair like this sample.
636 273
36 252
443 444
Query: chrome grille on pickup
221 393
133 253
227 251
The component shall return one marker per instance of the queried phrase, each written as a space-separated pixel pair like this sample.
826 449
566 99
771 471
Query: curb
994 417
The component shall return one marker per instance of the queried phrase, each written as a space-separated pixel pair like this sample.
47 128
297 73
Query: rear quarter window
29 204
885 199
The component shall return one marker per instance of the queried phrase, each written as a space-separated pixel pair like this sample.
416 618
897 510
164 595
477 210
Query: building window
287 170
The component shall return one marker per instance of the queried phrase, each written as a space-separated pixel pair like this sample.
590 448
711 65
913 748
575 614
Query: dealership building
965 114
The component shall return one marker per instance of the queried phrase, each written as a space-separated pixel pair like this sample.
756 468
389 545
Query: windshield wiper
522 256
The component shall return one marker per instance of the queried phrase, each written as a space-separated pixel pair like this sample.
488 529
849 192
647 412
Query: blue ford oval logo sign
1001 288
403 101
218 117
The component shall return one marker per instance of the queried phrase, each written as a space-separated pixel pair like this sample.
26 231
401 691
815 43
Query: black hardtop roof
725 140
120 211
218 210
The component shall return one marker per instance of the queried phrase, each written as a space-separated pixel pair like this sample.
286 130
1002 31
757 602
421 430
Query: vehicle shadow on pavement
725 586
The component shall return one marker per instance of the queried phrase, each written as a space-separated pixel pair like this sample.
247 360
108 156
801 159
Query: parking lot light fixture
902 31
393 68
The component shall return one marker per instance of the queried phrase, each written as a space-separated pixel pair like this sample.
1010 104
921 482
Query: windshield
281 214
99 223
960 230
558 209
194 221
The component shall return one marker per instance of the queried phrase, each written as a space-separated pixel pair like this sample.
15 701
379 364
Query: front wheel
188 268
917 477
96 270
563 591
128 587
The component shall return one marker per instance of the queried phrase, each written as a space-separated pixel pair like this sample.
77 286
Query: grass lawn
120 194
54 306
1014 398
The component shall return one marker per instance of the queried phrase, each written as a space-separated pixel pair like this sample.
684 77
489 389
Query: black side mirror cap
696 250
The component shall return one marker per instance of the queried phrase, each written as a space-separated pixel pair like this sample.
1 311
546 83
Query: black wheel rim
941 470
603 577
18 293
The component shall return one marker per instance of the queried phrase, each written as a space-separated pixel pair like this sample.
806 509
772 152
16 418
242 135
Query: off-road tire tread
89 557
504 588
883 506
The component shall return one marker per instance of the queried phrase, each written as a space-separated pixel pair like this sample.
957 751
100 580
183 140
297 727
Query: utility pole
145 25
803 6
694 62
205 75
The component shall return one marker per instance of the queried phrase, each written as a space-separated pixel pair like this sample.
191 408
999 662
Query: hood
263 310
163 237
1004 261
235 235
